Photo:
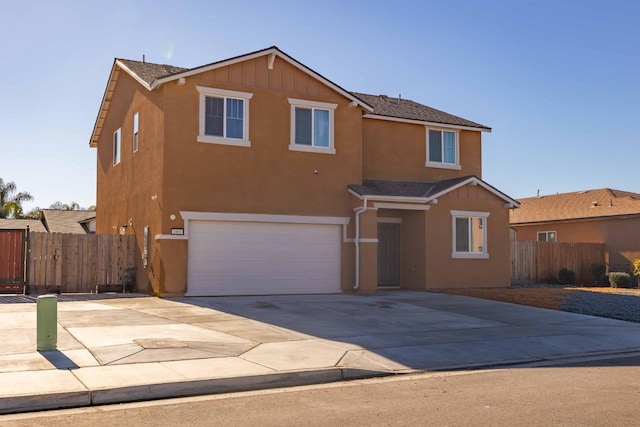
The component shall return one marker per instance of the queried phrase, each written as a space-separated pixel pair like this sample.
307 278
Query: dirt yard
544 297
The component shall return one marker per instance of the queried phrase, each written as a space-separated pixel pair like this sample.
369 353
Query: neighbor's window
469 234
547 236
442 149
312 126
135 132
116 147
224 116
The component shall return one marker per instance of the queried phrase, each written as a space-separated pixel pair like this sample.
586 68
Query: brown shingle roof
58 221
21 224
404 189
149 71
382 105
406 109
598 203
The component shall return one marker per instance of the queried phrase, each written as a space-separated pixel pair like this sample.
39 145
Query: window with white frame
117 142
312 126
469 234
224 116
135 132
442 149
547 236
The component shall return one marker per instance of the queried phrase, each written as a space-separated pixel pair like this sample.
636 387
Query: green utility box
47 322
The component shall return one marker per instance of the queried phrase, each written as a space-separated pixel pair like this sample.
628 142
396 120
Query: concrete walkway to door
127 349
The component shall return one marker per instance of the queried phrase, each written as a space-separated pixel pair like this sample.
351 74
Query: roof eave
426 123
104 105
379 198
476 181
269 51
580 219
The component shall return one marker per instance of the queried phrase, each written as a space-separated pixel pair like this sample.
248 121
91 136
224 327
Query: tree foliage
11 200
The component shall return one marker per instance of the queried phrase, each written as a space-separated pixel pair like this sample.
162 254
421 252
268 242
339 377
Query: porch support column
368 251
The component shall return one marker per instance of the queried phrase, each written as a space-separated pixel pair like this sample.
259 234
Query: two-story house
257 175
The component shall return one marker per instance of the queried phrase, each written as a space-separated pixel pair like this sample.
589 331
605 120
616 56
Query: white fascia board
104 106
134 75
248 217
476 181
214 66
268 52
401 206
390 198
424 123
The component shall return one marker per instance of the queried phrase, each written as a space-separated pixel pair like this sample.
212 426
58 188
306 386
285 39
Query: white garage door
257 258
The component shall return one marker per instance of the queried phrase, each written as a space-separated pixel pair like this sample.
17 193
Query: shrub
566 277
619 280
599 272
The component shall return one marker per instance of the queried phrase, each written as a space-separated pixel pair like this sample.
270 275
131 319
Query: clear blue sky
558 81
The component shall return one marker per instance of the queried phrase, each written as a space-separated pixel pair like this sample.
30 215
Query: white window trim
136 132
117 154
303 103
223 93
467 214
442 165
547 233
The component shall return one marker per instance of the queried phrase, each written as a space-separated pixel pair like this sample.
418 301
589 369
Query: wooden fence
538 262
78 262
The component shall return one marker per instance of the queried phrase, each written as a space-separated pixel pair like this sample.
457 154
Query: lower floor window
469 234
547 236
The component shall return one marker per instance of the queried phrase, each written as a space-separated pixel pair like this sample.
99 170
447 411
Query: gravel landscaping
622 304
614 305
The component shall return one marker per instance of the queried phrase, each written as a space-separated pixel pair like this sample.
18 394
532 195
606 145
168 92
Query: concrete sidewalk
128 349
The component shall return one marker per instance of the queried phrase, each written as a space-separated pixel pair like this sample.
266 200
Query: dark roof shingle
405 189
382 104
406 109
149 71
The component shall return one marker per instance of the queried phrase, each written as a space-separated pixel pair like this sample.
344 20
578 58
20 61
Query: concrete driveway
126 349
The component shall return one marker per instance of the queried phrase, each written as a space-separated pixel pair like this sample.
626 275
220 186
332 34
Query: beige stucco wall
621 237
397 152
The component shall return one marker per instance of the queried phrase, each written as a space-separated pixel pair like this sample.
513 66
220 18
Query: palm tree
73 206
11 201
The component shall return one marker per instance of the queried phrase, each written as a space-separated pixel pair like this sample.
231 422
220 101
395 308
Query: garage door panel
246 258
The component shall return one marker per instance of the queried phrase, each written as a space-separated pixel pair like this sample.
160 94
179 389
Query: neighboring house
257 175
74 222
22 224
604 216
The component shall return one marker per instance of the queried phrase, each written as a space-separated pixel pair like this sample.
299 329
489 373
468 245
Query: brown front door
388 254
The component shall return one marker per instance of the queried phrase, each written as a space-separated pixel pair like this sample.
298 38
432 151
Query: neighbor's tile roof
59 221
382 104
603 202
22 224
406 109
404 189
149 71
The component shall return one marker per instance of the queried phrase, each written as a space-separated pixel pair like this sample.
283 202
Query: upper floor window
135 132
469 234
312 126
117 142
224 116
442 149
547 236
